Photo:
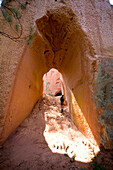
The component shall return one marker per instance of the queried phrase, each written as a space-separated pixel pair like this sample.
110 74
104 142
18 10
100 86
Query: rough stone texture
104 99
76 38
52 83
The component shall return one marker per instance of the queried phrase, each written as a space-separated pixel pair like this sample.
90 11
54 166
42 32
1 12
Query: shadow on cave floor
47 140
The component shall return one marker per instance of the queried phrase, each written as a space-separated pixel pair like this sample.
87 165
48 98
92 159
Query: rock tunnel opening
66 50
52 83
59 43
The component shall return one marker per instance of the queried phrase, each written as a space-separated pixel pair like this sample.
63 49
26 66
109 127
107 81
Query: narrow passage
47 139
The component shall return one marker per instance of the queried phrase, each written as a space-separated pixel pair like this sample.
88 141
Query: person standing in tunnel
62 103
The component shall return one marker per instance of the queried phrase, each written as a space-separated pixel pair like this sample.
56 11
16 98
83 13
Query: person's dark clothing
62 100
61 110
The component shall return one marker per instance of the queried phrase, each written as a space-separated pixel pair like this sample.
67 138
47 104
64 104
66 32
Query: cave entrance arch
52 83
60 43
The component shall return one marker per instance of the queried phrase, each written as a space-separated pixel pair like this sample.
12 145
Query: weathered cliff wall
75 38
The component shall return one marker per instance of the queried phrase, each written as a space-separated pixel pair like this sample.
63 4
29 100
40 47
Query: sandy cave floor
47 140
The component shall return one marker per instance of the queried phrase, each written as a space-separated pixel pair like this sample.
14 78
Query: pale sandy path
47 140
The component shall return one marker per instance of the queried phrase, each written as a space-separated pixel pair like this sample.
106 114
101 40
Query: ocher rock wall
74 37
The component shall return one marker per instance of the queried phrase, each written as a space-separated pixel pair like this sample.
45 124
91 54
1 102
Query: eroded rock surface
70 37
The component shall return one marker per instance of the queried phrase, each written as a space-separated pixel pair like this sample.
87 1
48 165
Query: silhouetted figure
62 103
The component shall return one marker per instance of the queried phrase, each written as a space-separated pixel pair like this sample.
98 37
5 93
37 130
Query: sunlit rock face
52 83
72 40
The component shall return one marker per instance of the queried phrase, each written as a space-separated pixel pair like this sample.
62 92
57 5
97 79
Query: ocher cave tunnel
59 43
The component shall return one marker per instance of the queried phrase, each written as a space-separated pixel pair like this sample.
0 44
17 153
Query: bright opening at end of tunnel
52 83
111 2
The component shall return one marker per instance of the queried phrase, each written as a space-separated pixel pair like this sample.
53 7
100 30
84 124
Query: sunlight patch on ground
63 137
